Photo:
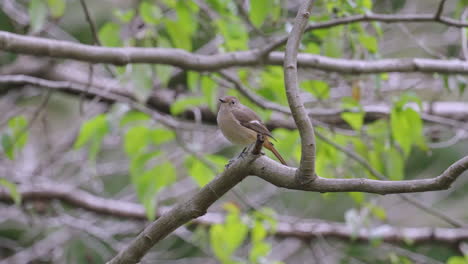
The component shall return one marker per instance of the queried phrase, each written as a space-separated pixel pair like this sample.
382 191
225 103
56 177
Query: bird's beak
221 100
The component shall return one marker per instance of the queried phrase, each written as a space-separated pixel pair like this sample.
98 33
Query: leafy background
114 151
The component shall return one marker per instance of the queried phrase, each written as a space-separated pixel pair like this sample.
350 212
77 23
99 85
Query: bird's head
229 101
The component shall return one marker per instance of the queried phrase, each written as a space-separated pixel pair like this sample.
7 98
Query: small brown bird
240 125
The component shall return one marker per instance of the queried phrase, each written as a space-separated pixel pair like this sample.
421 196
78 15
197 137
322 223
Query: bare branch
184 212
282 176
386 18
440 9
183 59
306 171
304 229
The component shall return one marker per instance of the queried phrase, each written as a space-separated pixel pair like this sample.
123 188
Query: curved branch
180 58
306 171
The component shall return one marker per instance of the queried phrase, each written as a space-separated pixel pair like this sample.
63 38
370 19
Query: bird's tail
268 145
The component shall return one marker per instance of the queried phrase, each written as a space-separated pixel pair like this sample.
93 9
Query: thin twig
91 24
439 11
463 37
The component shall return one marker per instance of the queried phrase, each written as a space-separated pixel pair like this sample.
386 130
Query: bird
240 125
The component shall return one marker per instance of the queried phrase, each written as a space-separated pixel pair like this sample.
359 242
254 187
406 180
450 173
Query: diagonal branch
184 212
306 171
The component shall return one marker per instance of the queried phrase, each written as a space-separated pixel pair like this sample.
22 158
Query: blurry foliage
385 144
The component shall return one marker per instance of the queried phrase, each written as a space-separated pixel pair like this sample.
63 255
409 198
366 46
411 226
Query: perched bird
240 125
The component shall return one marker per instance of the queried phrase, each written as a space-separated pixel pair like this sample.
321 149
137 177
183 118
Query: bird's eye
233 102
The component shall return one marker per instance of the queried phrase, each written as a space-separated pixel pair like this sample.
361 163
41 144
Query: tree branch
304 229
282 176
185 212
180 58
306 171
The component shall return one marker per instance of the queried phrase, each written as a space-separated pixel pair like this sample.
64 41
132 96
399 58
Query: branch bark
185 212
180 58
305 229
283 176
306 171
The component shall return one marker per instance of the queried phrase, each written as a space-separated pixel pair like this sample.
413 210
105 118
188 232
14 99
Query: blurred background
92 152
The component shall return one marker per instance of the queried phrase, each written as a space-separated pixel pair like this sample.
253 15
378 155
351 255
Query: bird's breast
233 130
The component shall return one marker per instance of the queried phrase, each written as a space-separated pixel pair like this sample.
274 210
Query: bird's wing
251 120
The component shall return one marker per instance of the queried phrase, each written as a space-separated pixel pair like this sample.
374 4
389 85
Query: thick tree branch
306 171
185 212
183 59
305 229
283 176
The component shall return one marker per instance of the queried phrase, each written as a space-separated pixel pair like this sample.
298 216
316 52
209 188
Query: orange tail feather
268 145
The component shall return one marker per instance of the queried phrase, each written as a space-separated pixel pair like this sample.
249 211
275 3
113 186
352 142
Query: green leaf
150 13
93 131
136 140
17 136
165 174
161 135
142 81
11 187
378 212
138 162
149 183
395 165
235 231
259 232
461 87
358 197
193 80
457 260
37 14
332 44
355 120
234 32
7 145
199 172
56 7
217 243
208 88
132 117
319 89
369 42
180 36
227 237
272 85
184 103
259 250
407 127
109 35
259 10
312 48
124 16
